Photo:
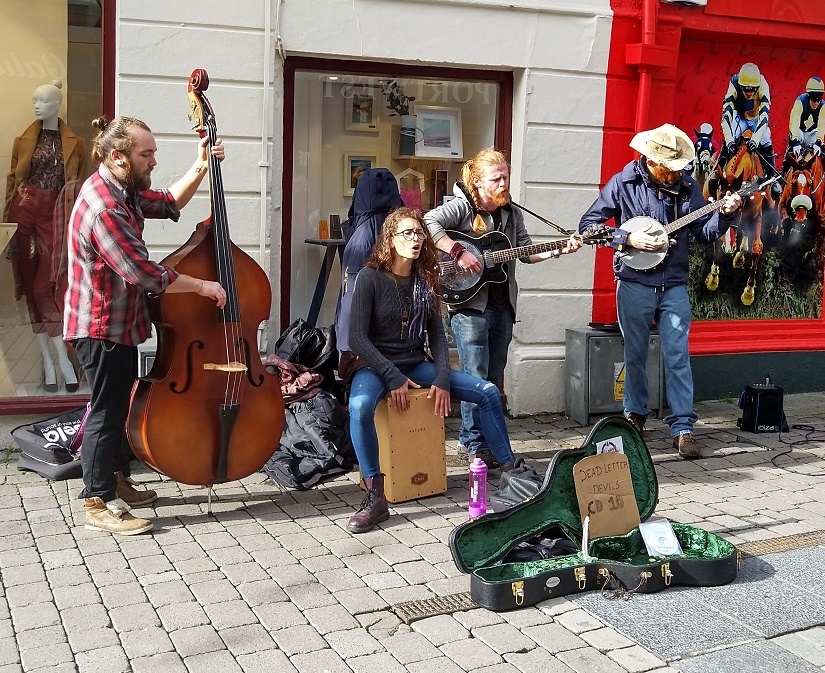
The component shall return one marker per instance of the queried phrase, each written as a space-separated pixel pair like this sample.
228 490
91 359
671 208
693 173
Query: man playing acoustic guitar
655 186
483 324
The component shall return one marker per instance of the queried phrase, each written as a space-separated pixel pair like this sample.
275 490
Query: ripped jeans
368 389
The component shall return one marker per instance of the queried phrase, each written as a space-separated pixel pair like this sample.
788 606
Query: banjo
642 260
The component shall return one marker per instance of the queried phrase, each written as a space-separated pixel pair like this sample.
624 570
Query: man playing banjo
654 186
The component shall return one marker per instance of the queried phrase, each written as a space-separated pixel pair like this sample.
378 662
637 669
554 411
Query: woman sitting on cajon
396 309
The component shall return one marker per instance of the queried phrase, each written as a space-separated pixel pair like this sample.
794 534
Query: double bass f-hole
208 412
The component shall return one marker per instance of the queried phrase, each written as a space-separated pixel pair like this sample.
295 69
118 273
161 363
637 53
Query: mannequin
47 166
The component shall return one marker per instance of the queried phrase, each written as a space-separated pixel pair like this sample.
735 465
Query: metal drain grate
442 605
785 543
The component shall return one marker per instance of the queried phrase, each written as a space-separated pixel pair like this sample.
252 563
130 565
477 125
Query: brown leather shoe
113 517
636 419
127 492
374 508
687 446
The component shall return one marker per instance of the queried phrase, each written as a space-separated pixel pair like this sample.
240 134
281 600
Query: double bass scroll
208 412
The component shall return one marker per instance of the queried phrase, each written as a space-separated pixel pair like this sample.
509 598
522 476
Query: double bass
208 412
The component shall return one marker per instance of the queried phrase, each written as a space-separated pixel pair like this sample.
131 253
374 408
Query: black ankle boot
374 508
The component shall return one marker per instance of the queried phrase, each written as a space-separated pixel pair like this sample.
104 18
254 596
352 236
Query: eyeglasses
411 234
750 89
815 97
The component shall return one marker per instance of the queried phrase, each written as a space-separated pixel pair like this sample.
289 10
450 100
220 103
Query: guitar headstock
202 116
597 234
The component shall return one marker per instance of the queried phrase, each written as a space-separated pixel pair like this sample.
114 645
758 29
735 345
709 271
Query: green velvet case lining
629 549
486 540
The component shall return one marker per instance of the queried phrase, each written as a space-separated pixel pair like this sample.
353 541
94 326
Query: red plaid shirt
109 267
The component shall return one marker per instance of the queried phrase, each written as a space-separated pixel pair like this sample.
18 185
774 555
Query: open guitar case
618 563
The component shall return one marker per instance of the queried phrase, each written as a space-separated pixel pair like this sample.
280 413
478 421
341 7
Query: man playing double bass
106 315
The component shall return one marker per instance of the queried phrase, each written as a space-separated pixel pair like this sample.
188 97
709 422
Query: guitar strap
542 219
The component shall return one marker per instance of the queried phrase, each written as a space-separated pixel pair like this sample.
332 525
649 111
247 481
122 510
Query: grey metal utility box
595 373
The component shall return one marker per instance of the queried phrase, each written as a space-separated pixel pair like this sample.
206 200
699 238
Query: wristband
456 250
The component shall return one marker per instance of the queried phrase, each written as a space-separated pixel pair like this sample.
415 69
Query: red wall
696 50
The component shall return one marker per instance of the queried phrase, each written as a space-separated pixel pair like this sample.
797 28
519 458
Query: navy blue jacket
630 193
376 194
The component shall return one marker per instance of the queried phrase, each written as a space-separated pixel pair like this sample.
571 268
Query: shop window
50 75
420 125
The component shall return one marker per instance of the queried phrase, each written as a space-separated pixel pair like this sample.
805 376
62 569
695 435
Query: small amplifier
762 408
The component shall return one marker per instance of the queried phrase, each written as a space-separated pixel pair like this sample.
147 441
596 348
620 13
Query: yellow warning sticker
618 378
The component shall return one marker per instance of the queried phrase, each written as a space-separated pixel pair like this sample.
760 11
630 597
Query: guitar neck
500 256
691 217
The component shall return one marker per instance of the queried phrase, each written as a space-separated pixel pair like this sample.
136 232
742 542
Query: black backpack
51 447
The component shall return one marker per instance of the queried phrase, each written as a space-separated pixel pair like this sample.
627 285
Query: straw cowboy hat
666 145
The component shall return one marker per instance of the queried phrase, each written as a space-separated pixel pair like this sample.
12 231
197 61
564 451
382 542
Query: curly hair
425 267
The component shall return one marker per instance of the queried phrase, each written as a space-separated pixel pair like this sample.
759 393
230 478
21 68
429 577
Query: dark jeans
111 370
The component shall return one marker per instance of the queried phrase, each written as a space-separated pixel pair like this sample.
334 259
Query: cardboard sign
605 493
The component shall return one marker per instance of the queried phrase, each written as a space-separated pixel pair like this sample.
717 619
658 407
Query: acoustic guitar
492 250
641 260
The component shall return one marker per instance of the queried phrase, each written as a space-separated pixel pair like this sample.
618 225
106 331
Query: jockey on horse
804 129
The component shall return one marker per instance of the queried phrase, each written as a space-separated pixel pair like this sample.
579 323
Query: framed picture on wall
439 130
355 165
361 111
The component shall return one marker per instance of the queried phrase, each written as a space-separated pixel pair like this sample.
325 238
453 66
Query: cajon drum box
411 449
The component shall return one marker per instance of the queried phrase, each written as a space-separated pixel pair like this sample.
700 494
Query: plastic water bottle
478 488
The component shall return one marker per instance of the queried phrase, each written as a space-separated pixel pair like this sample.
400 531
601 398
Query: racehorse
742 166
705 149
802 207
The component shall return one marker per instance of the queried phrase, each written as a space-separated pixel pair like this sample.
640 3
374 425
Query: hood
376 190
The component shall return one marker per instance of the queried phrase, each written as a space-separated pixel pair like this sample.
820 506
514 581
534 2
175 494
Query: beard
501 197
136 181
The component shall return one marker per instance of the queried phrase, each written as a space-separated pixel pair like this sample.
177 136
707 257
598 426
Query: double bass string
233 335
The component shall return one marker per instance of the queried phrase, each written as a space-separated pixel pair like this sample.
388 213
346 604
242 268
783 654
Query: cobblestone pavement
272 581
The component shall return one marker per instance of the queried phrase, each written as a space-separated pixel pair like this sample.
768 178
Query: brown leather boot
637 420
113 517
374 508
127 492
687 446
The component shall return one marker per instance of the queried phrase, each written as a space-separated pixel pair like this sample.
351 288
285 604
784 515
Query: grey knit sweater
377 336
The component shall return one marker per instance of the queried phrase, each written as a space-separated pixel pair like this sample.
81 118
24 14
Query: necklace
404 305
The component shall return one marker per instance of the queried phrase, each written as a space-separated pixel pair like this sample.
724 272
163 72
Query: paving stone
578 621
810 645
441 629
635 659
396 553
588 660
538 661
376 663
470 654
145 642
338 579
209 662
322 660
353 643
8 652
330 618
111 659
196 640
554 638
291 575
606 639
437 665
276 616
246 639
34 616
410 647
244 572
504 638
182 616
129 617
167 593
261 592
388 580
298 640
471 619
118 595
227 614
22 595
25 574
358 601
215 591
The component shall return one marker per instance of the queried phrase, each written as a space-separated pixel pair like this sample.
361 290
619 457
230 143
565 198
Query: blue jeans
482 341
637 306
368 389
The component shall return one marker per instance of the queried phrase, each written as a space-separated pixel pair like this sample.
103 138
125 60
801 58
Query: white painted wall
557 51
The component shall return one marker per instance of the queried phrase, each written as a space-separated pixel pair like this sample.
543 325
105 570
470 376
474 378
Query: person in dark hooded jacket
376 194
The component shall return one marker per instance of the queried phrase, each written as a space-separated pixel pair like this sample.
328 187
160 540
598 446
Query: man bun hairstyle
473 170
113 135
